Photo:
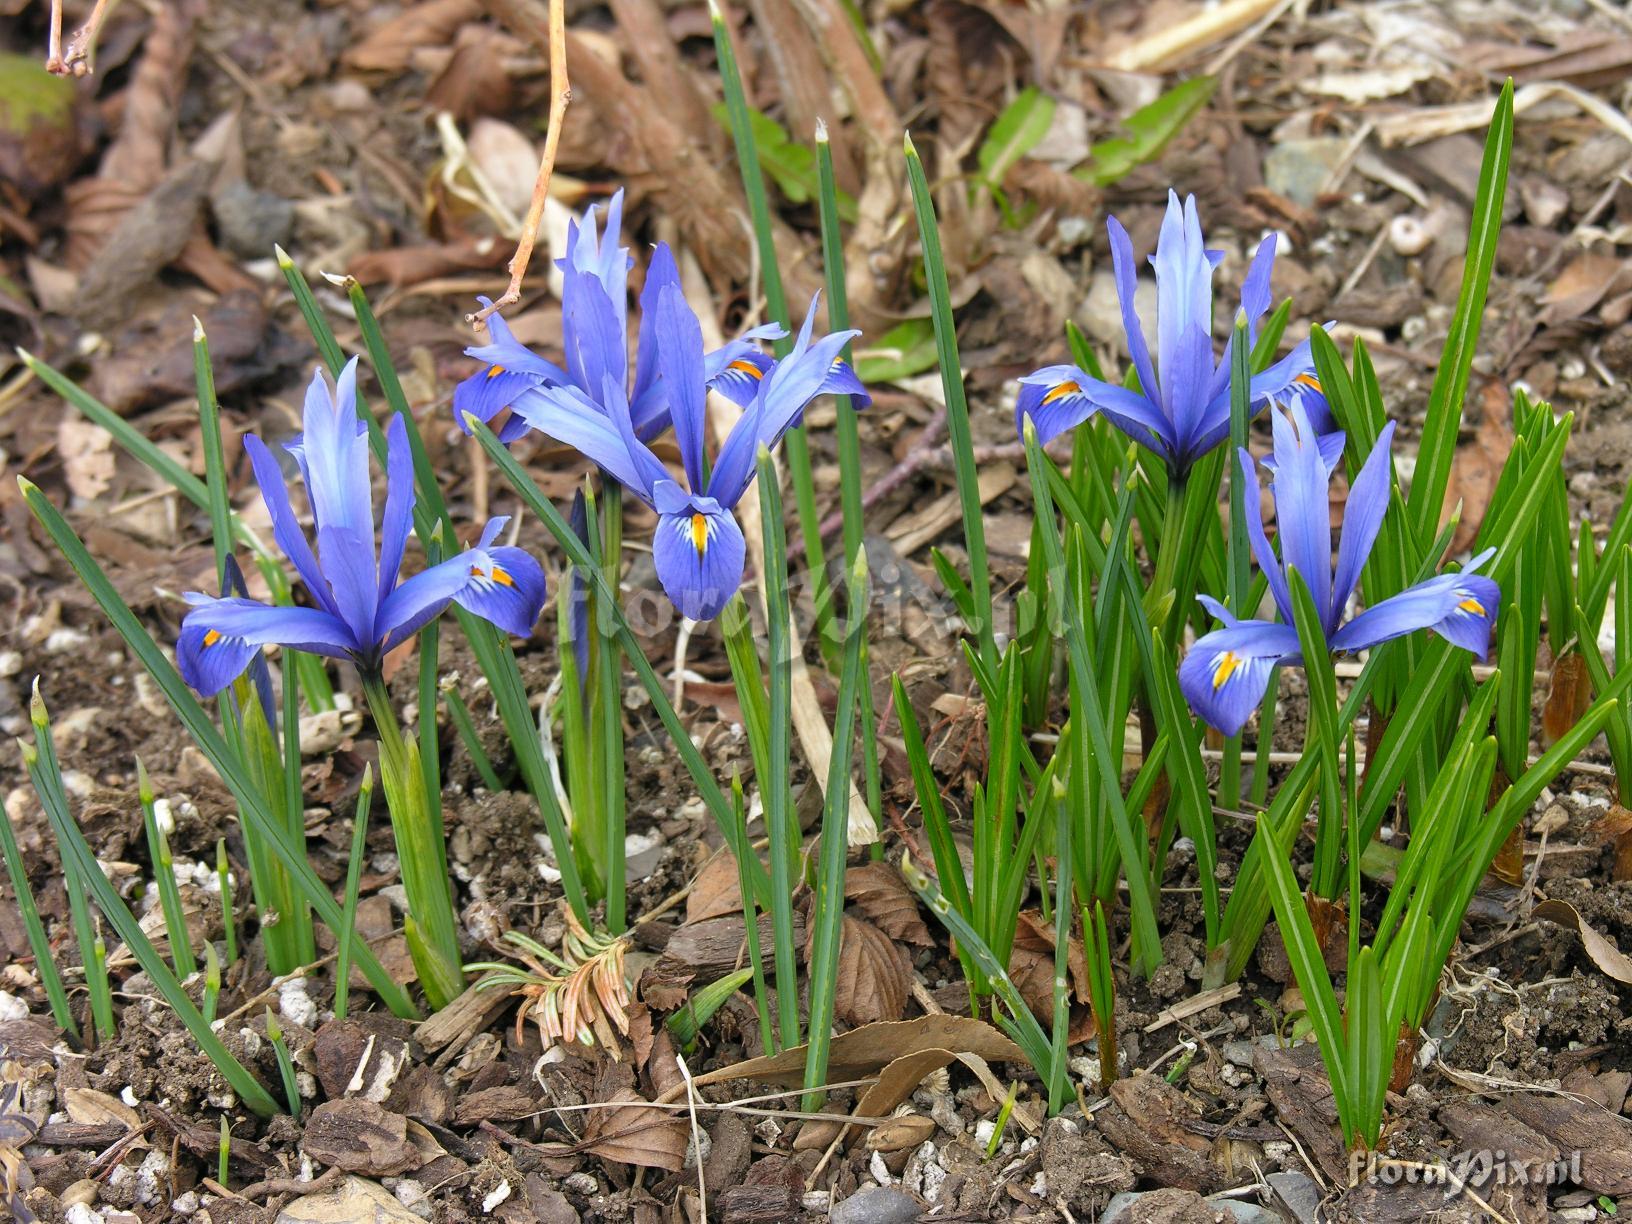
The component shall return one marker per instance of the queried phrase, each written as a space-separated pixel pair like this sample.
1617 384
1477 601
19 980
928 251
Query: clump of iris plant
1181 408
698 547
364 609
1225 673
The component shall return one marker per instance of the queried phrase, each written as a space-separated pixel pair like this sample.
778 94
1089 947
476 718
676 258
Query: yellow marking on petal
212 637
1061 391
1470 604
495 371
699 533
1228 663
500 576
475 571
748 368
1308 380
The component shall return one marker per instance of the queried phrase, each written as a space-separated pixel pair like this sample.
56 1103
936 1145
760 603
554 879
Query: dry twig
560 96
77 59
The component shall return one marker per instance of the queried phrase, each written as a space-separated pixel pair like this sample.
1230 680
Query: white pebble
295 1004
1408 236
495 1196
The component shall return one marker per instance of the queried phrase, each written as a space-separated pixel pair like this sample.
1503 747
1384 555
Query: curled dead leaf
388 47
1568 695
1599 947
636 1134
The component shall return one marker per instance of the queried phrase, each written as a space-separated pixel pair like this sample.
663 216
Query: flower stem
1163 591
430 903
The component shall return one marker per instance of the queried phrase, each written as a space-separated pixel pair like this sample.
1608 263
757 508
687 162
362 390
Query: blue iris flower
363 609
1186 412
595 339
698 546
1225 673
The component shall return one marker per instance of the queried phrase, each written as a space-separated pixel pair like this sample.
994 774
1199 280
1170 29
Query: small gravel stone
877 1205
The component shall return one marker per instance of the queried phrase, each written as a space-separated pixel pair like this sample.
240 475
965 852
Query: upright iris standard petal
680 364
1303 509
1362 519
1181 410
1224 674
699 552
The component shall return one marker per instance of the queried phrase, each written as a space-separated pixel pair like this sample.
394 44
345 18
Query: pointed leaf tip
198 331
282 256
36 706
821 130
907 145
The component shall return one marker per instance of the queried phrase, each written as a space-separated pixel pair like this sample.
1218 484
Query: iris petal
1461 607
1224 674
509 591
1362 518
699 554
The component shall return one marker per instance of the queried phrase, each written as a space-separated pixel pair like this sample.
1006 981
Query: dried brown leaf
1584 282
636 1134
867 1050
388 47
1610 959
1569 693
1031 964
1050 189
874 975
412 265
880 893
1476 466
717 890
473 81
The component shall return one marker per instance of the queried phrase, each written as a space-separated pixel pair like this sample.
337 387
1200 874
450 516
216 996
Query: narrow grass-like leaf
164 878
1238 569
286 1063
828 918
685 1024
466 727
1019 1024
1324 737
327 345
1303 950
347 934
223 876
849 446
957 408
794 444
750 920
215 470
44 964
1444 414
212 981
1147 951
781 821
92 884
